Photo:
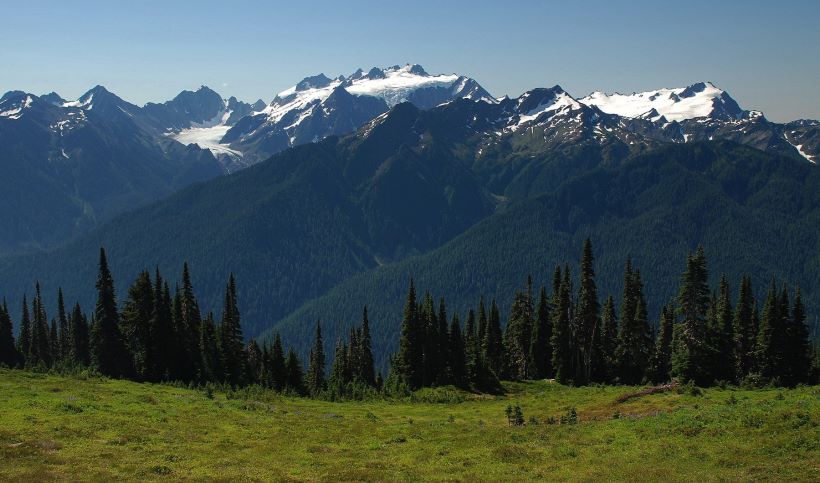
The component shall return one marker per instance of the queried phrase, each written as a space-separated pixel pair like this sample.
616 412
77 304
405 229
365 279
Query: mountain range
375 177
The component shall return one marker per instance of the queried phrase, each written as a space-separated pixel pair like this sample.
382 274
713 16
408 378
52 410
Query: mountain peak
313 82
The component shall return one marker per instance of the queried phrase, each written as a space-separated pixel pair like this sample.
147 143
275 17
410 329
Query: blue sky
766 54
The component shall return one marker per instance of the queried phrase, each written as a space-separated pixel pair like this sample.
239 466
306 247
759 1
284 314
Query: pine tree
294 380
430 341
457 365
798 348
769 352
660 365
690 356
744 330
443 332
491 347
40 351
108 352
561 331
483 322
723 335
160 353
8 351
188 327
254 364
64 332
232 346
366 371
54 343
606 342
409 361
24 338
80 338
540 346
586 316
278 367
340 373
634 333
211 365
136 324
316 365
517 337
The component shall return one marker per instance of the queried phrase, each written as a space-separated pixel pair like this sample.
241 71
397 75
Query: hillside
64 428
753 213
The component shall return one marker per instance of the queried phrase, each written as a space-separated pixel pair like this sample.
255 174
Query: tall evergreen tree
491 351
606 341
24 338
517 337
136 324
366 371
40 351
660 365
160 353
278 367
80 337
769 352
409 361
723 335
108 352
211 365
691 354
430 341
254 365
798 348
457 365
482 321
8 351
188 326
54 343
744 330
294 380
316 364
634 333
586 315
64 331
561 332
232 345
540 346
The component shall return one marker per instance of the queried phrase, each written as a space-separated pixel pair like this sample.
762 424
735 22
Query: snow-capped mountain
318 106
696 101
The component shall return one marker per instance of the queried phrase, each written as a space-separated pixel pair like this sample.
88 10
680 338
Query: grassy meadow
55 427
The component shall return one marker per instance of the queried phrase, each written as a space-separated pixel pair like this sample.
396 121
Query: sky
765 54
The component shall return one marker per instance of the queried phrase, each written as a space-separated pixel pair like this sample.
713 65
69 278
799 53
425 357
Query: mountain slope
754 213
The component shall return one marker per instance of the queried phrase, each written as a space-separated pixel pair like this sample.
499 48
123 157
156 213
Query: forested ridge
569 332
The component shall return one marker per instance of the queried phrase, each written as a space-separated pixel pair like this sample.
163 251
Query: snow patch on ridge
673 104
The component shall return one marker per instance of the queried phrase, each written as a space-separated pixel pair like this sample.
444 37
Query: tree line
703 336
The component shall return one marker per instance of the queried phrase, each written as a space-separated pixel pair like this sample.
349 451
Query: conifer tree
483 322
586 315
211 365
233 357
316 364
744 330
79 332
340 371
24 339
540 346
723 339
136 324
278 367
660 365
691 354
64 334
604 366
517 337
457 365
430 341
294 380
366 372
443 332
254 364
54 343
491 351
561 332
634 333
40 351
409 362
8 351
798 348
160 353
108 352
189 326
769 355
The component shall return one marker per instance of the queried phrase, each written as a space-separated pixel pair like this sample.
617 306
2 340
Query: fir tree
254 365
64 331
108 352
634 333
690 357
54 343
491 350
443 376
366 372
278 369
409 361
769 354
660 365
79 332
40 351
160 352
136 324
457 365
316 364
24 338
211 365
723 335
540 346
586 315
482 324
797 347
517 337
8 351
188 326
294 380
561 332
606 343
231 339
744 330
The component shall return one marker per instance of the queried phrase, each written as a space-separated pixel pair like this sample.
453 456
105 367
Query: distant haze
765 54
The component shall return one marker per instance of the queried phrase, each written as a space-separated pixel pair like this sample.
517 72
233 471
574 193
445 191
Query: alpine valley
337 192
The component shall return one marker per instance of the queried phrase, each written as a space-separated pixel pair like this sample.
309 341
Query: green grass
54 427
